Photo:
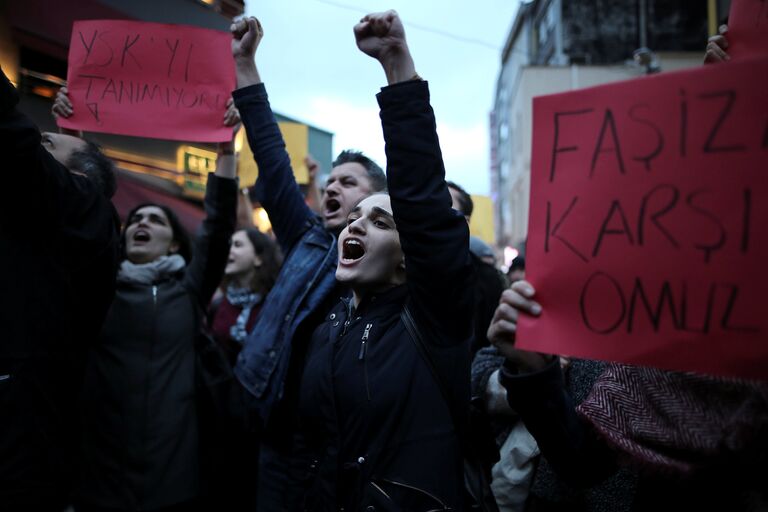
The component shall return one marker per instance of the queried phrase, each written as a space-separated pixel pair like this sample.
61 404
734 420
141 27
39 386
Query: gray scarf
149 273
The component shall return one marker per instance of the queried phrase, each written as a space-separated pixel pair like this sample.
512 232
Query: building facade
34 46
560 45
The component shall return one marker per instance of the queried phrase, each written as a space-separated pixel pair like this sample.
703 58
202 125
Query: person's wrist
245 63
247 73
399 67
532 362
524 361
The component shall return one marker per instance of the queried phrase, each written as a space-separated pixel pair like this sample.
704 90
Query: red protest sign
149 80
646 240
748 29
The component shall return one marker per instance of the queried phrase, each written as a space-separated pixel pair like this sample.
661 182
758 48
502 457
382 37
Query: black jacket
58 259
140 447
375 429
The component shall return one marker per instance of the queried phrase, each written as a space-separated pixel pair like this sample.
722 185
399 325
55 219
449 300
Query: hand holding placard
502 331
717 47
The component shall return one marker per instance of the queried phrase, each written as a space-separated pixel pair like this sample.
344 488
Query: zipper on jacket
363 341
154 295
361 357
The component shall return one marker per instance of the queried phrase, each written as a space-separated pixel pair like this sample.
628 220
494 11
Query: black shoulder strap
426 354
476 481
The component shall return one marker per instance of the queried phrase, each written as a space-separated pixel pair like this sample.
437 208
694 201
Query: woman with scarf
141 432
253 264
252 268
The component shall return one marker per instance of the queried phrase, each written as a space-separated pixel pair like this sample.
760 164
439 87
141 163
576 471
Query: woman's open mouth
352 250
141 236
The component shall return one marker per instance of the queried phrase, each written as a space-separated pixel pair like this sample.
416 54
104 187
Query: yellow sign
481 223
296 136
196 164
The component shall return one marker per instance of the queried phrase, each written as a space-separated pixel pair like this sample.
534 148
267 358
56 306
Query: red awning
131 192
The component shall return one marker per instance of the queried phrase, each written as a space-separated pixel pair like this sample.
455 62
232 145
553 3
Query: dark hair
375 173
517 262
271 260
180 235
96 166
465 200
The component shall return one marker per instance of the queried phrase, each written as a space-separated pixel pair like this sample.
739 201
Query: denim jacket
308 273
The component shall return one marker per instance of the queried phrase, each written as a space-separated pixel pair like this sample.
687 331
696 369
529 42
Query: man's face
346 186
370 256
61 146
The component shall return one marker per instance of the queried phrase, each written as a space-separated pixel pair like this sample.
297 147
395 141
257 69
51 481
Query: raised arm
38 186
212 245
434 237
27 164
276 189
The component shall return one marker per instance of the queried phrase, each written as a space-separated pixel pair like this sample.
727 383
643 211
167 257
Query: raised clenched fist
246 36
382 36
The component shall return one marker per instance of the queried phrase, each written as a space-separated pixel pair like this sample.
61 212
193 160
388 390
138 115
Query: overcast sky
315 73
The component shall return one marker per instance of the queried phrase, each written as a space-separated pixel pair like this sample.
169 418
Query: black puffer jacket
140 433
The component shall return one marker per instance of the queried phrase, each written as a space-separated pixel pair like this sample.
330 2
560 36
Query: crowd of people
362 358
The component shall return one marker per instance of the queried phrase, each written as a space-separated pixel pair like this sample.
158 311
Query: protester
488 282
271 361
59 255
252 268
482 251
141 443
376 432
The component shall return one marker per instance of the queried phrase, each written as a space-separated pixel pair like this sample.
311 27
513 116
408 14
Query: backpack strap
478 494
426 355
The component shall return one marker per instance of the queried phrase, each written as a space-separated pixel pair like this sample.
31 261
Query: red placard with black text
150 80
647 240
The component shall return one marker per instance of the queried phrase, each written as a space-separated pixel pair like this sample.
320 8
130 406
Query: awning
132 192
